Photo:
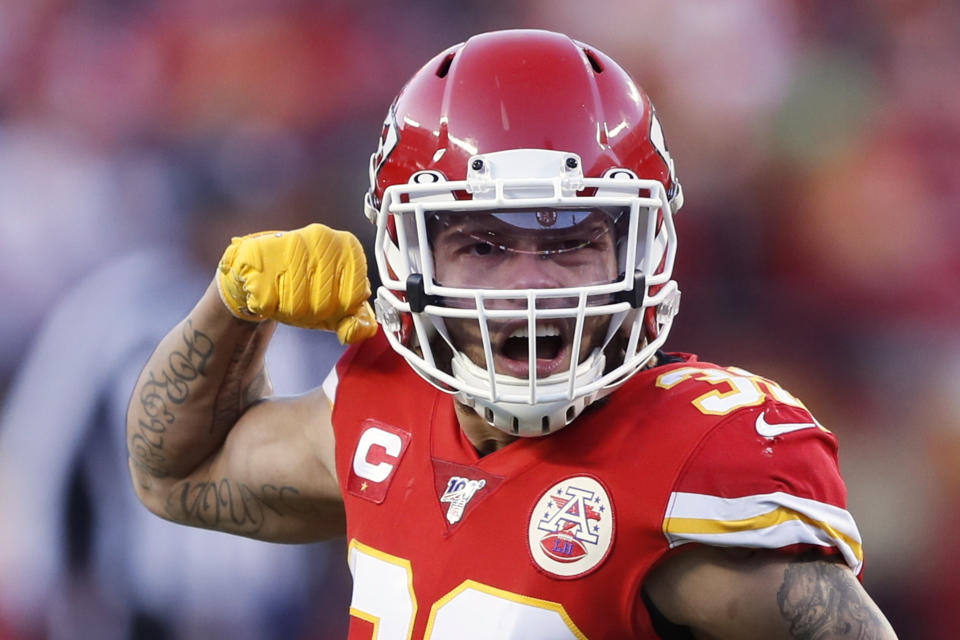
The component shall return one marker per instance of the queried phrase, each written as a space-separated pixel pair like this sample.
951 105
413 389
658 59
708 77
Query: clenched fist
314 277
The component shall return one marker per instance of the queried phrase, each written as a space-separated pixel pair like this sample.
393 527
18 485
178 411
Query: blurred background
817 143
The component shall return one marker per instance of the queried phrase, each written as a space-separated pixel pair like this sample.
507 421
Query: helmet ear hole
594 61
444 67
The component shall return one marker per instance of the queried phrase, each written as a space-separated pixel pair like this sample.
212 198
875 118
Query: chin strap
522 418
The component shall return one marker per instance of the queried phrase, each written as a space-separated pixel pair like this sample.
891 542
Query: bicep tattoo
162 393
821 600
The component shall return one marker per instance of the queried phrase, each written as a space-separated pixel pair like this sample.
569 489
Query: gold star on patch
363 487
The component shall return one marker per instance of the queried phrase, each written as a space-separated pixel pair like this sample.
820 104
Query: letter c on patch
364 466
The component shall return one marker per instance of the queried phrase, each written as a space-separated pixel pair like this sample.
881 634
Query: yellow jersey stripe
781 515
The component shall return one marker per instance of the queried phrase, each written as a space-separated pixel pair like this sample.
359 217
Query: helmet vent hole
571 413
516 424
445 65
545 424
488 414
594 61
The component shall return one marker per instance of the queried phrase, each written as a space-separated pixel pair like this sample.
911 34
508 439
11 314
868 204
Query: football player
512 454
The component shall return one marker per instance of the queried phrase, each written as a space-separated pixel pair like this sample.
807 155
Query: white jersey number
383 596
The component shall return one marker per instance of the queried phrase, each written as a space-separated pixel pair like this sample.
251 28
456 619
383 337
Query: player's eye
484 249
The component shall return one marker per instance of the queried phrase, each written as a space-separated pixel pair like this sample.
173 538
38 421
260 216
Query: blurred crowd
817 143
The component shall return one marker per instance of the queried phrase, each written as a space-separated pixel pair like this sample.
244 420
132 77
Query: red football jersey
552 537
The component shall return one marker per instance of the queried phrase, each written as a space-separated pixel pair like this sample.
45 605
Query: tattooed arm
720 594
208 448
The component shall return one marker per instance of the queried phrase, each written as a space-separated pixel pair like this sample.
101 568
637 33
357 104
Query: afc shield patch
571 528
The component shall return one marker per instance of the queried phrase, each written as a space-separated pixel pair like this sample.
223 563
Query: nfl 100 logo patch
458 493
571 527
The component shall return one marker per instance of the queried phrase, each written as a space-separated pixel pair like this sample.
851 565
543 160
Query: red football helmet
517 144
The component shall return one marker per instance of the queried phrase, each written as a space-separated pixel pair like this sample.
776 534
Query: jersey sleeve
765 477
332 381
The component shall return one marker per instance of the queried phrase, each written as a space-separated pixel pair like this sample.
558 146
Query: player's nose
531 269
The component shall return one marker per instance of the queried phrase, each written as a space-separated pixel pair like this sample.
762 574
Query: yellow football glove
314 277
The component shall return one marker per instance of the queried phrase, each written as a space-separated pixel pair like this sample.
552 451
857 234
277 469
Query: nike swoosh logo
768 430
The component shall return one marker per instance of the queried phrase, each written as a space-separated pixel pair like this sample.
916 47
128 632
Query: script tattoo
162 393
822 600
231 504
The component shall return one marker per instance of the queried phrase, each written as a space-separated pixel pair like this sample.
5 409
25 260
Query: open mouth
548 340
552 342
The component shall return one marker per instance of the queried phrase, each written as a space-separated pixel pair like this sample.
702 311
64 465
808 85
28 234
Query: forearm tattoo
822 600
162 393
230 504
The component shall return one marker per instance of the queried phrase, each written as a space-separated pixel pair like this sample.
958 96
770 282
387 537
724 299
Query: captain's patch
375 459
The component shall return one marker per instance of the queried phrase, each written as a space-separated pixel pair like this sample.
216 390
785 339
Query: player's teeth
542 332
